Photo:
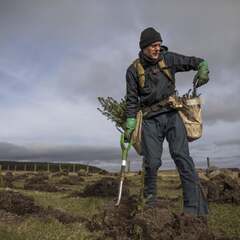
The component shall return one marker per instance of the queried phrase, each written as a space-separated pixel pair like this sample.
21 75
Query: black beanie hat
149 36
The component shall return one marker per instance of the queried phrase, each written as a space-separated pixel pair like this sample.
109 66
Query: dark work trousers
154 131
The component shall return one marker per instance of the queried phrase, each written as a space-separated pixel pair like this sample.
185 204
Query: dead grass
223 219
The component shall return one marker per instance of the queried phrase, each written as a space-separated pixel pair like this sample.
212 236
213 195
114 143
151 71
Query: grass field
224 219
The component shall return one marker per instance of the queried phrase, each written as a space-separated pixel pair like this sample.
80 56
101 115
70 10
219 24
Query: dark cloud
59 153
105 157
8 150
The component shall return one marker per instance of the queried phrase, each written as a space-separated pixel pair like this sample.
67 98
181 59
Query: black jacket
157 85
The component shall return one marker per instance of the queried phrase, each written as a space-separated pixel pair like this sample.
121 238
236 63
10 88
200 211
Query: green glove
130 126
202 76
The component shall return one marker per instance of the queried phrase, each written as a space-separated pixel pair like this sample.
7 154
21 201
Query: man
164 122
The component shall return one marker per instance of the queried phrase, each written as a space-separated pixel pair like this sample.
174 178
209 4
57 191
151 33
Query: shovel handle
125 147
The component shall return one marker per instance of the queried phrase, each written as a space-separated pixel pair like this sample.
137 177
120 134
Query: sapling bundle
114 110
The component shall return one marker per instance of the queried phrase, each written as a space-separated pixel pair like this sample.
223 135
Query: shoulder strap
165 69
140 72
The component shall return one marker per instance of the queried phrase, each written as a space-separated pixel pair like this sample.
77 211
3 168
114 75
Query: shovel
125 149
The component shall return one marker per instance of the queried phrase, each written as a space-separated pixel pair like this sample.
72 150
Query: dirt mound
82 173
43 187
106 187
115 222
222 188
15 202
161 223
40 178
8 179
39 183
22 176
60 174
130 221
71 180
103 172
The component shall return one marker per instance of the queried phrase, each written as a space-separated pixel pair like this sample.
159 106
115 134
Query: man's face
153 50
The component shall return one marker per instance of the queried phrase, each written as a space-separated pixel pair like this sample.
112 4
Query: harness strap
141 80
141 72
165 69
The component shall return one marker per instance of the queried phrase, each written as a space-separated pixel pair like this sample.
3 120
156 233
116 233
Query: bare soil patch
105 187
40 183
128 221
222 188
8 179
70 180
15 204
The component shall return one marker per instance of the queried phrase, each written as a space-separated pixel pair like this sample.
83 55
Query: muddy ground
40 183
222 188
70 180
14 205
133 221
8 179
105 187
130 220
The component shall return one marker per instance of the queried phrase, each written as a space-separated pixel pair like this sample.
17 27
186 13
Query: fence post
1 177
208 162
87 170
208 166
60 167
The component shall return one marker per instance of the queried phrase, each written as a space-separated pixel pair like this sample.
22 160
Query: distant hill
43 166
9 150
12 154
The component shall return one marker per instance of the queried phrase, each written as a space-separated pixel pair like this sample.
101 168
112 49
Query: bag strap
162 65
141 72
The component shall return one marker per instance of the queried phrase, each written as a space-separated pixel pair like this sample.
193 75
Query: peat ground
82 206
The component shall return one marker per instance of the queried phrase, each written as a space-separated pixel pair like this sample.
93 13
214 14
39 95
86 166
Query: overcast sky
57 57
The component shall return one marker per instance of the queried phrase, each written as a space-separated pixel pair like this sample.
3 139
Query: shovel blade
119 193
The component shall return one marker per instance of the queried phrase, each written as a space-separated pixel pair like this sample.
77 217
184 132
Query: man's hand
202 76
130 126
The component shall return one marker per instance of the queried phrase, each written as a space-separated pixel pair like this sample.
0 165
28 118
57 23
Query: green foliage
114 110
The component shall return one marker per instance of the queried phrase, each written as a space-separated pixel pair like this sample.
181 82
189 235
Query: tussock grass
223 218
